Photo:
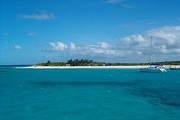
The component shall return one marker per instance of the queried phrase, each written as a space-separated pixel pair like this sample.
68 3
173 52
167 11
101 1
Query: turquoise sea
88 94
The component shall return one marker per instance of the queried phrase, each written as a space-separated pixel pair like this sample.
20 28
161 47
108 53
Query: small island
85 63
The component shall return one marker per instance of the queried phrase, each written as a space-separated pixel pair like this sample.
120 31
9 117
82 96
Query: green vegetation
51 64
170 63
86 62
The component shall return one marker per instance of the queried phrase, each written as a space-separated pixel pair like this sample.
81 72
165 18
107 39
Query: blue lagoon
93 94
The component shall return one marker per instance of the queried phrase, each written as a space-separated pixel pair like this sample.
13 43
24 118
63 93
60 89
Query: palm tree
48 63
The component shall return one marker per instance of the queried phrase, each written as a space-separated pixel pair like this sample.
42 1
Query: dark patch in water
2 71
159 95
155 95
53 83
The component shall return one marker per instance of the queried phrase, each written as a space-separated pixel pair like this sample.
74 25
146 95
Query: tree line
87 62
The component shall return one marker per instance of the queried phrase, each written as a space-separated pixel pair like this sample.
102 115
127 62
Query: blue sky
34 31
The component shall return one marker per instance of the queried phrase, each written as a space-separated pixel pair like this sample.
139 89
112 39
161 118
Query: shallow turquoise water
90 94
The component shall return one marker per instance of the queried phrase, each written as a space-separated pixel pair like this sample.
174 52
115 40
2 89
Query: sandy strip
81 67
92 67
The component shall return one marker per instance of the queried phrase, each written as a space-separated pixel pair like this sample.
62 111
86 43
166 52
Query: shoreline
92 67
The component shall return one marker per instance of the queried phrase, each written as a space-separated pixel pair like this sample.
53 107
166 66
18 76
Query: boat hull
174 68
152 69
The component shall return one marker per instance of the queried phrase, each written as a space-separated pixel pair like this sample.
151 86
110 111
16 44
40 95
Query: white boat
154 67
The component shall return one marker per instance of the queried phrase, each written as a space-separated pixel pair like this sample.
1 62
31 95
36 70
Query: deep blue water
88 94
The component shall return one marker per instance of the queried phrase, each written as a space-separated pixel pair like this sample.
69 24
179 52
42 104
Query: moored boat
154 67
174 68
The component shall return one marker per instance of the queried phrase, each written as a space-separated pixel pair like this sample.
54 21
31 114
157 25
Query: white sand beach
93 67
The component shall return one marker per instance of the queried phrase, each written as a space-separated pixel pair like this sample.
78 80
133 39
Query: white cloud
134 48
165 36
166 41
59 46
72 46
169 35
103 45
134 40
17 47
42 15
99 49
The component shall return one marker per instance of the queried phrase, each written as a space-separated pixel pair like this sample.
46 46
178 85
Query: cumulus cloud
59 46
167 38
98 50
17 47
166 42
42 15
103 45
72 46
101 48
134 40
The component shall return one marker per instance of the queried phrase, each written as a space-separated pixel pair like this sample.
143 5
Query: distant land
86 62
